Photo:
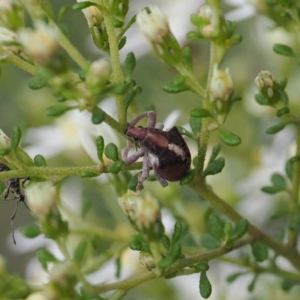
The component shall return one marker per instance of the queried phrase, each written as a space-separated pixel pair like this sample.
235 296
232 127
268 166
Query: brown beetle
164 151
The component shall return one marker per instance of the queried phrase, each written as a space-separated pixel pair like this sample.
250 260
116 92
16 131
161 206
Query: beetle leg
6 192
160 179
145 172
130 159
151 119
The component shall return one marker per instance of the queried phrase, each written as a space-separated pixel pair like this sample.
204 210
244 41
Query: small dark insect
164 151
13 185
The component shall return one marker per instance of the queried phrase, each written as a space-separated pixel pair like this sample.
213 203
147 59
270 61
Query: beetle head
137 133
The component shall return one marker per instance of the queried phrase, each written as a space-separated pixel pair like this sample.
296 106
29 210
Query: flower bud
221 86
11 14
265 82
97 26
98 75
40 44
155 27
143 213
8 41
41 198
147 260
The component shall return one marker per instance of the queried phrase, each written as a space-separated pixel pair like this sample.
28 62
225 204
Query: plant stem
286 251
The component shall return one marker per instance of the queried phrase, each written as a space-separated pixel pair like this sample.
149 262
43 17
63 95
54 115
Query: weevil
13 185
165 152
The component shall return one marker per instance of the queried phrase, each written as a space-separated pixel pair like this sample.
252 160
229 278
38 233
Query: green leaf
173 255
282 111
15 137
129 64
89 174
209 241
116 167
80 251
63 10
177 85
196 124
166 242
188 178
288 283
177 232
283 50
31 231
215 166
276 128
37 82
4 151
82 5
122 42
98 115
183 131
117 23
229 138
259 251
252 284
231 278
204 286
240 229
215 152
44 256
39 161
200 113
187 58
289 169
260 99
133 182
216 226
100 147
279 181
111 151
57 110
270 189
131 94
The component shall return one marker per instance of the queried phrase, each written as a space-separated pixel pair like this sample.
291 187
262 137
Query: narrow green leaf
31 231
215 166
252 284
63 10
240 229
200 113
88 174
15 137
173 255
57 110
100 147
122 42
177 85
229 138
216 226
183 131
111 151
44 256
80 251
166 242
282 111
215 152
259 251
187 58
276 128
289 169
129 64
82 5
116 167
283 50
177 232
204 285
133 182
98 115
231 278
188 178
117 23
39 161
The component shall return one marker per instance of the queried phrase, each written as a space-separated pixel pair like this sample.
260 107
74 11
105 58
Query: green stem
117 74
22 64
293 233
177 266
286 251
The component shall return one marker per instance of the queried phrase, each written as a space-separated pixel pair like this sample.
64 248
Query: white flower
154 25
98 74
40 44
92 14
